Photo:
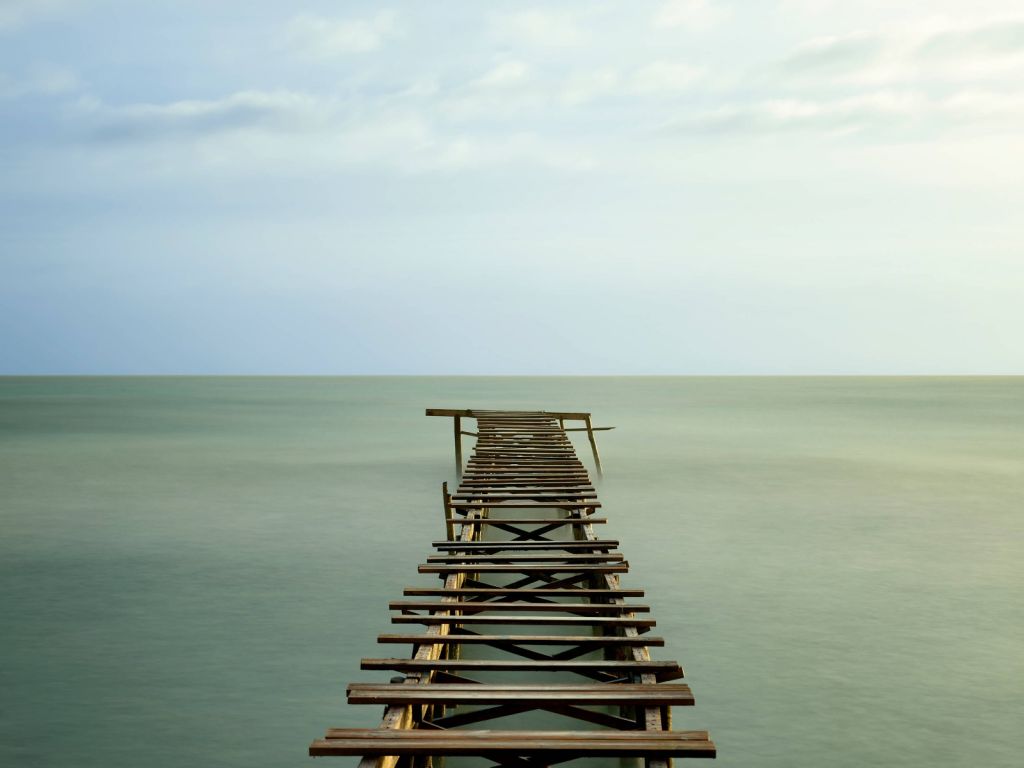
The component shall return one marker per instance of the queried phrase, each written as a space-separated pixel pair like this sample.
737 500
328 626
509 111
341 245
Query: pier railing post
593 446
449 523
458 446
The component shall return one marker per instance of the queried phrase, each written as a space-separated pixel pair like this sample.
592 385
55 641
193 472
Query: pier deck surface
513 582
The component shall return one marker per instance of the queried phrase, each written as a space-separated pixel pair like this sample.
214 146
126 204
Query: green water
190 569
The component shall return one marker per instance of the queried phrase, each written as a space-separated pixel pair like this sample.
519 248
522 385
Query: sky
671 187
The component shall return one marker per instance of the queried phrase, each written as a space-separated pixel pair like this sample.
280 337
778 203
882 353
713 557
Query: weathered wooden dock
521 557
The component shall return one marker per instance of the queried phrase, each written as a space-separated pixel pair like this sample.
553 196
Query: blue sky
691 186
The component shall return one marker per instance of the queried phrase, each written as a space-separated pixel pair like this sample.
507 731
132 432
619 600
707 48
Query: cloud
665 76
833 54
18 13
847 115
259 110
878 111
505 74
582 87
688 13
994 39
325 38
289 132
920 55
542 28
45 80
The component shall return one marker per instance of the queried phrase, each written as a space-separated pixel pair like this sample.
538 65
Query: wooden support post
449 524
458 447
593 446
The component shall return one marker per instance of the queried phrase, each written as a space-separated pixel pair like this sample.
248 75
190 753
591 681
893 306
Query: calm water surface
190 569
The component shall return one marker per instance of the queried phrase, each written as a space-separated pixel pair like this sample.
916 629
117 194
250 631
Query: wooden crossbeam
548 557
533 521
575 640
663 670
602 594
546 745
513 568
526 546
664 694
438 605
512 621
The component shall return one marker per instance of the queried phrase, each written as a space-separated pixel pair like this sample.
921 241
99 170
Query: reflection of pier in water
505 573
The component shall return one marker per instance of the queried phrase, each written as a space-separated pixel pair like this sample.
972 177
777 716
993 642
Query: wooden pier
528 588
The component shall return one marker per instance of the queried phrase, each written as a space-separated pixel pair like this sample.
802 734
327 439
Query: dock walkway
527 588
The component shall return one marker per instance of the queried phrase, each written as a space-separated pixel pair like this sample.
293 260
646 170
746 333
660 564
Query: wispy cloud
833 54
18 13
246 110
936 52
503 75
879 111
582 87
255 131
41 80
1005 37
327 37
699 14
665 76
540 27
846 115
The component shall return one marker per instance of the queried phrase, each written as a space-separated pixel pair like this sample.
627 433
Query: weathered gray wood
546 557
461 639
518 621
550 745
518 605
663 670
526 546
478 693
529 568
603 594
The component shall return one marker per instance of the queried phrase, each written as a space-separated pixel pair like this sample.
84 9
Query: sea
191 568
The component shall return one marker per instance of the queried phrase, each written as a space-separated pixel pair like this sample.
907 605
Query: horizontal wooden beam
519 605
609 594
480 693
529 621
566 415
460 639
544 745
663 670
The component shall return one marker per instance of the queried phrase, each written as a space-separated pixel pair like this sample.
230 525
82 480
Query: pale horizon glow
671 187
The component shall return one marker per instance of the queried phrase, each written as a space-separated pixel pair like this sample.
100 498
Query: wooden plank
664 694
491 546
459 639
549 486
497 557
520 605
516 621
526 504
488 568
550 745
490 497
512 459
663 670
532 521
487 469
532 591
494 416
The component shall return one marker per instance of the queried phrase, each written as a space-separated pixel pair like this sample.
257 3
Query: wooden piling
458 446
